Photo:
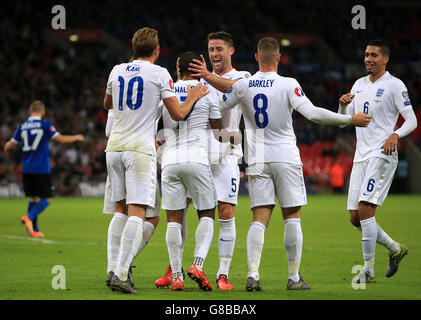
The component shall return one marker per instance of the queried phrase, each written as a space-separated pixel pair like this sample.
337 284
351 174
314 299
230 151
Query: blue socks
35 209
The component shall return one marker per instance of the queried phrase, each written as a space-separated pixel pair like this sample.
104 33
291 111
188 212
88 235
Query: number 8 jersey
136 89
267 100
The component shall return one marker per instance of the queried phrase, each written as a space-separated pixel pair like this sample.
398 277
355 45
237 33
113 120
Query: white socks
293 242
369 237
131 239
385 240
115 229
148 229
227 235
204 234
174 245
184 232
255 241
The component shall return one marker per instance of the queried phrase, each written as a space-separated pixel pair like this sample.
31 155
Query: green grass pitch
76 234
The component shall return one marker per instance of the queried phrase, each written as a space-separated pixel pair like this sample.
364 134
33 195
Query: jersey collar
34 118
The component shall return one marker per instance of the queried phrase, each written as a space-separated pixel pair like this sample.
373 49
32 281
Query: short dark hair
384 47
222 35
185 60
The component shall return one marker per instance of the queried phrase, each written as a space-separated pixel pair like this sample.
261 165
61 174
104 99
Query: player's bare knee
291 213
154 221
366 210
226 211
354 218
206 213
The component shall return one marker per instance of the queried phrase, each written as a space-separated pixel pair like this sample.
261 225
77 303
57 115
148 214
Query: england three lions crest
379 92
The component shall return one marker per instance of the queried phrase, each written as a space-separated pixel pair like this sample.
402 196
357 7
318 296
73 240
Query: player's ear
256 56
386 59
278 57
231 51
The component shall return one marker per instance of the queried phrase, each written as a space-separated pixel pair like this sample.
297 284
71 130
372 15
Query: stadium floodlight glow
285 42
74 38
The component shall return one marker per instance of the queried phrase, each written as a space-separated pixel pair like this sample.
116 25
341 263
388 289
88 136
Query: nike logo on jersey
366 194
231 195
358 91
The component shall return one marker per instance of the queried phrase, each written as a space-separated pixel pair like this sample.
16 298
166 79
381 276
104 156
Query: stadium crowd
71 82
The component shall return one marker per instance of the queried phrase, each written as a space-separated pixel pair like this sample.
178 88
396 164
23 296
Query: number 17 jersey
137 89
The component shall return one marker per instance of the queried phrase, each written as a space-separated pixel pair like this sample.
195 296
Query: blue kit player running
34 136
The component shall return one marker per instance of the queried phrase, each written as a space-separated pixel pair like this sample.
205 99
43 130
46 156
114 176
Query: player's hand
361 119
177 66
158 142
198 91
198 68
346 99
79 137
391 144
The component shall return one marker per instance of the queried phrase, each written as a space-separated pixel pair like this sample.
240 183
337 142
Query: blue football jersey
34 137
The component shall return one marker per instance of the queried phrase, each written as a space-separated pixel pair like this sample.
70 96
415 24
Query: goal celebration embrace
198 149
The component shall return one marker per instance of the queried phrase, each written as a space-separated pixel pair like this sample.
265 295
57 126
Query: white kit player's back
137 89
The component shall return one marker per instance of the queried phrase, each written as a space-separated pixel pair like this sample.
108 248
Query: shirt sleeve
167 84
296 95
401 97
214 112
50 130
231 97
16 137
109 89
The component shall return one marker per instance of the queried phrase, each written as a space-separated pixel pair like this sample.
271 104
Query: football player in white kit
185 168
275 168
136 90
384 97
119 219
224 157
224 161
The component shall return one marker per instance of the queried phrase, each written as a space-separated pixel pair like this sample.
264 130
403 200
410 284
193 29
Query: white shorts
269 181
132 177
195 178
370 181
109 206
227 182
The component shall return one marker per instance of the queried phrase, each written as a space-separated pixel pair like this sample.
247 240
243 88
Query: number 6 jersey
137 89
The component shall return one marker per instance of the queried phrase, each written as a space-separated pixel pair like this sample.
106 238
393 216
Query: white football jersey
187 140
267 100
227 152
383 100
137 89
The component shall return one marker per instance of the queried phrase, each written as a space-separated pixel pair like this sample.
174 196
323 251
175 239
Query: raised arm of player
326 117
60 138
198 69
179 111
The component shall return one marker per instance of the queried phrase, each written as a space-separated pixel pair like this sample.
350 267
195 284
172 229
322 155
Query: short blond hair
36 107
144 42
268 49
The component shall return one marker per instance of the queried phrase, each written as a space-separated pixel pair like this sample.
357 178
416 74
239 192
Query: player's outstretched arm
60 138
223 135
179 111
198 69
9 146
326 117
